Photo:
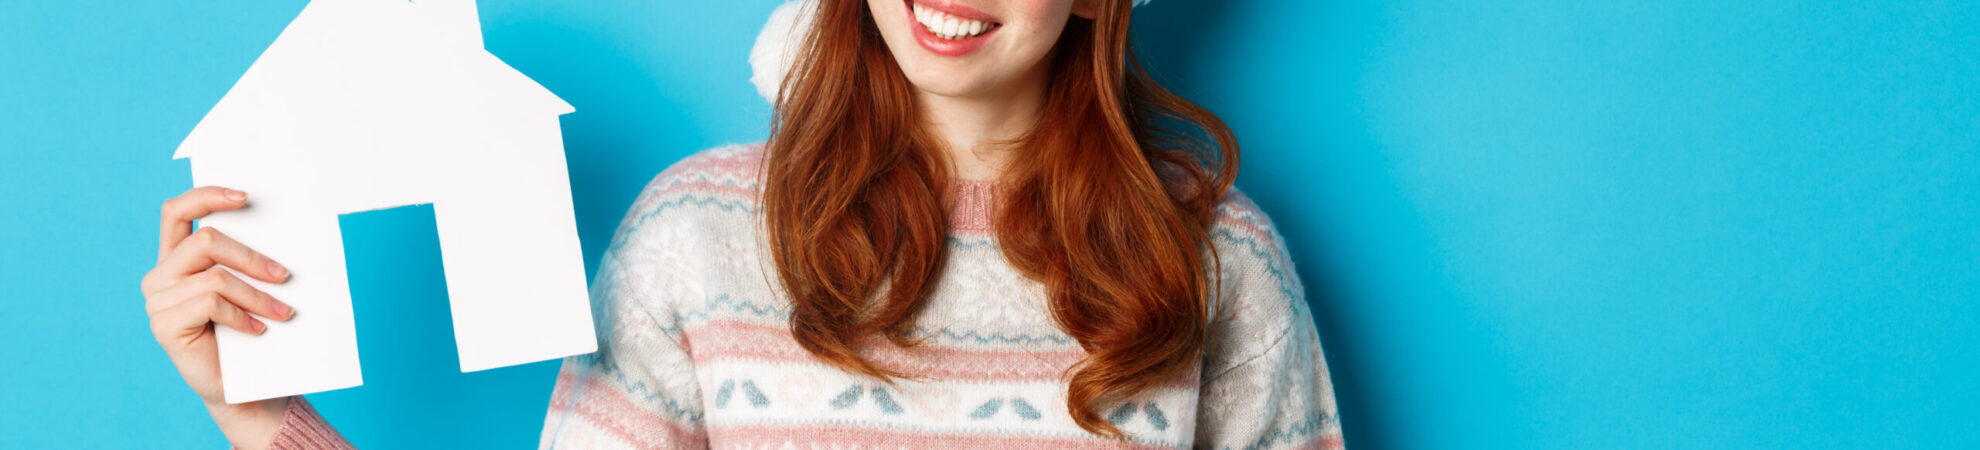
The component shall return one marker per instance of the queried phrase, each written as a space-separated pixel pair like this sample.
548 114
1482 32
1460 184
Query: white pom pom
776 46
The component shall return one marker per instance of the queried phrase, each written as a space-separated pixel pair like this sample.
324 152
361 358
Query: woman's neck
977 131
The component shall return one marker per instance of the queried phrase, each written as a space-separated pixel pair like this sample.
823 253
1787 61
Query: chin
948 81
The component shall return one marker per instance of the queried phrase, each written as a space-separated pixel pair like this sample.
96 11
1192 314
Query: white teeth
945 26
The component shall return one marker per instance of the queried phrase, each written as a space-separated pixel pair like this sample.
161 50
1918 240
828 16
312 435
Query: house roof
341 59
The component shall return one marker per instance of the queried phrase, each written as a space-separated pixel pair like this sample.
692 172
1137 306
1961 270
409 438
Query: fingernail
277 271
233 194
282 311
257 326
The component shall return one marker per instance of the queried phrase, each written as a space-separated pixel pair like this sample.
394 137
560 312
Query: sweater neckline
972 206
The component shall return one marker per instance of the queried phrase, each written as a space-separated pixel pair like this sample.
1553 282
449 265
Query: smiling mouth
948 25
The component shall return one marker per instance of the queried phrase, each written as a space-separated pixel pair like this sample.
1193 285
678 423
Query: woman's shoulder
726 175
1238 223
718 184
729 171
1262 300
684 223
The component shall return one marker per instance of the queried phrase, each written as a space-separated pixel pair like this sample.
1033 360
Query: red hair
1109 208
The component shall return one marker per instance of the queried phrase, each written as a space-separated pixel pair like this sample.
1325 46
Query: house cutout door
414 389
405 331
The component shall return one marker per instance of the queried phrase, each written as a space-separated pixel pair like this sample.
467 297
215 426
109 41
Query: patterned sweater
695 349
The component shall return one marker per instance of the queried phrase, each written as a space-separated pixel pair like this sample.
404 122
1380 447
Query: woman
975 223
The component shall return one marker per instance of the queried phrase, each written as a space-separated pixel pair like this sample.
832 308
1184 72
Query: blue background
1522 224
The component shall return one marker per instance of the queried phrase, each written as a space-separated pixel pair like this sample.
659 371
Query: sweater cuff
303 429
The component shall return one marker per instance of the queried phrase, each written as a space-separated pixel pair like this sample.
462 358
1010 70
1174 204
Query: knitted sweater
695 349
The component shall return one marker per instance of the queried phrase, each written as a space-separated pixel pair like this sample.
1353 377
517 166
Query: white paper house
370 104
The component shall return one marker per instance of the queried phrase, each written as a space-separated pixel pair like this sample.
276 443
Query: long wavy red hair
1108 208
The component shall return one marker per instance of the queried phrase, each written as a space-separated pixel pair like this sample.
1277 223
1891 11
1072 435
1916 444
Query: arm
1281 398
639 390
1265 379
301 428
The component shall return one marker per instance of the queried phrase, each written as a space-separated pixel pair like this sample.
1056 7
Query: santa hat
777 45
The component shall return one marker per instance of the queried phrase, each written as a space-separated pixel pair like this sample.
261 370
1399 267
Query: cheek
884 10
1048 14
1039 7
1044 21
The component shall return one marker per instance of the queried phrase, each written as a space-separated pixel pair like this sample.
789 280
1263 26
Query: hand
188 293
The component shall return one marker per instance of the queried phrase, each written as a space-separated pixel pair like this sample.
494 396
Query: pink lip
949 47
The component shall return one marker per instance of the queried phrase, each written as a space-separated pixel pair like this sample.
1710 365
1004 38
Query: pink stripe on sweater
722 339
856 436
730 339
675 191
1256 232
1332 442
606 407
746 163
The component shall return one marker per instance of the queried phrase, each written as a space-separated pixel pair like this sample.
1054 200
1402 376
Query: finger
231 288
189 317
175 218
208 246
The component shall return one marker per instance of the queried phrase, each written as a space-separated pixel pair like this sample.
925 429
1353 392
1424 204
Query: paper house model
369 104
